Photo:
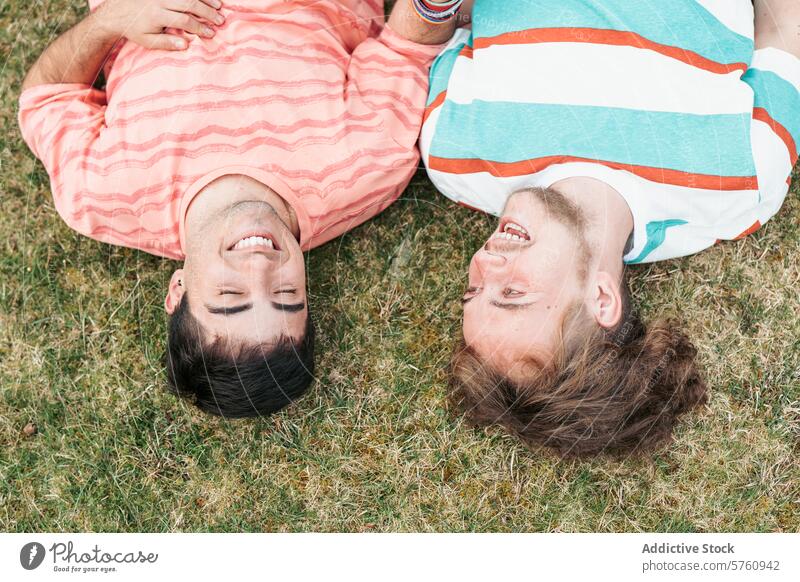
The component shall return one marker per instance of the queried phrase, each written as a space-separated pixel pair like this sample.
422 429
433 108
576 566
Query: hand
145 22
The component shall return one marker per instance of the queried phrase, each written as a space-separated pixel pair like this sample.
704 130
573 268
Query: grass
373 447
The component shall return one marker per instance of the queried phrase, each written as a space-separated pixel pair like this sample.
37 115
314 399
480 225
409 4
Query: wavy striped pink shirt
315 99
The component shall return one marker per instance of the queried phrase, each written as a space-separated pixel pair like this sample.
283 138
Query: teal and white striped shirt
665 101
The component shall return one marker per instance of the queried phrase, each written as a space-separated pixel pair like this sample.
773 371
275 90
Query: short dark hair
618 392
236 381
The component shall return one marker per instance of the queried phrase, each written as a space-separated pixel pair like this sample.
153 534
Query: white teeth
514 226
253 241
508 236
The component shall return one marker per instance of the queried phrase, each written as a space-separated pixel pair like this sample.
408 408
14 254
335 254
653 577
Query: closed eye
469 295
229 292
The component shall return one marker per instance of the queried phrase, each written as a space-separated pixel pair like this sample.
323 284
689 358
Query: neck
609 219
226 191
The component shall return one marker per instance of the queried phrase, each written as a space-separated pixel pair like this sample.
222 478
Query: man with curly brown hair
603 133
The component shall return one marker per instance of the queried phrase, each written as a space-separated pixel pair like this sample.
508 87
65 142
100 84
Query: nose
258 268
502 247
257 259
488 260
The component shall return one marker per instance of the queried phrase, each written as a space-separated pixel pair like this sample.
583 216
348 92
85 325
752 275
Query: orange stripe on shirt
224 90
153 144
231 58
749 231
607 37
434 104
527 167
763 115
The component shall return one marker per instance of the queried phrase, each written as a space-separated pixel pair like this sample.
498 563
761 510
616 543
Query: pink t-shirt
317 100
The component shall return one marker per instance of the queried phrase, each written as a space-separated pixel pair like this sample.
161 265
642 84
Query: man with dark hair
232 381
233 137
603 133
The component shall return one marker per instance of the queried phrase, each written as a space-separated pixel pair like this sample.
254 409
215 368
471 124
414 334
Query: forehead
514 357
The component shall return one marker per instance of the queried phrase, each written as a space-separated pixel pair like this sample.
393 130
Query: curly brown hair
616 392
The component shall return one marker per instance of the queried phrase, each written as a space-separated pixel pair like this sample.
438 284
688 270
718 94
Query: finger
215 4
164 42
188 23
199 8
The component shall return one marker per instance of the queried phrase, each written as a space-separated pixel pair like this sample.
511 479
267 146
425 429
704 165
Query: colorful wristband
437 12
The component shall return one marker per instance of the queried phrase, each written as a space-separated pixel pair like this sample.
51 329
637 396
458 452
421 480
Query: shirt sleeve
774 76
61 123
388 75
384 99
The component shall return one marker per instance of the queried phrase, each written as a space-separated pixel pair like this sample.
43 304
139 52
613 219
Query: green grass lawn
374 446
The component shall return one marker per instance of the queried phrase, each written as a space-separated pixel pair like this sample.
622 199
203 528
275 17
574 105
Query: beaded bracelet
437 12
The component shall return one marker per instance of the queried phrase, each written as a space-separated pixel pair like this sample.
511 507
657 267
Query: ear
175 292
606 300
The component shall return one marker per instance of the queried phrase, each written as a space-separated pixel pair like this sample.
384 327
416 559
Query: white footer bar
441 557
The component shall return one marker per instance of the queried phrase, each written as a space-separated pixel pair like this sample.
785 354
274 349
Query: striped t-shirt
314 99
665 101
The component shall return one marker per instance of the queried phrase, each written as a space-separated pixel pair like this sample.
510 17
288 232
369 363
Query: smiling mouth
255 242
512 231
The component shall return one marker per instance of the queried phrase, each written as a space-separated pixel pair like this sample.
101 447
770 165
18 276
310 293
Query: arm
77 55
778 25
388 75
62 117
405 22
774 76
774 73
385 96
